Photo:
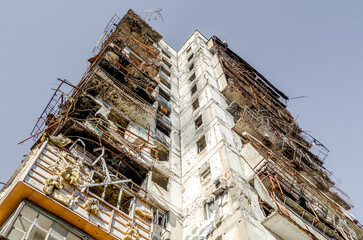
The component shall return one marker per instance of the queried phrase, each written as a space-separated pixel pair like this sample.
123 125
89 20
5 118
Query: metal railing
110 27
125 141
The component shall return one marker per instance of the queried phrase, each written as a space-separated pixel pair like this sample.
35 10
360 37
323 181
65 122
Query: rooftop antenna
150 14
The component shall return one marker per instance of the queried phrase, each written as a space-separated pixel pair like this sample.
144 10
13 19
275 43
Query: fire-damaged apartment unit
160 144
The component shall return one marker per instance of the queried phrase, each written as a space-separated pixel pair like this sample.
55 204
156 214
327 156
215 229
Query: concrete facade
155 144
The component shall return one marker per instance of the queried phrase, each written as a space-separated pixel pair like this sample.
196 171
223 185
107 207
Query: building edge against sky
159 144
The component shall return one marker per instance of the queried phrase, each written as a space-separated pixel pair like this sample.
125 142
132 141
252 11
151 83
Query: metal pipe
105 183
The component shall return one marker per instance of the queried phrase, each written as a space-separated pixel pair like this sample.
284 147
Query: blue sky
305 48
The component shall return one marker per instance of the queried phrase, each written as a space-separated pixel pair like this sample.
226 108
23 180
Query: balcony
304 211
292 221
120 145
69 201
104 85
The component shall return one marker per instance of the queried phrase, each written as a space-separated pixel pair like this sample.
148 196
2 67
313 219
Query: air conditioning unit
220 185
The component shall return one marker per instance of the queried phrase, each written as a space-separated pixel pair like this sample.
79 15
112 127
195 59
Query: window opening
125 202
196 104
166 53
164 70
160 179
164 81
192 77
194 89
163 110
161 218
198 122
163 153
188 50
190 57
164 94
167 63
205 174
191 67
209 209
201 144
162 128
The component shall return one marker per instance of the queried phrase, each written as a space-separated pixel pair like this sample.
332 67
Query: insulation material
131 232
143 213
54 182
60 140
91 205
70 172
60 197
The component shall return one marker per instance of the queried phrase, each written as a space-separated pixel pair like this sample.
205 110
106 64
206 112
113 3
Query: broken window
196 104
194 89
201 144
161 218
160 179
32 223
192 77
162 128
164 81
164 94
190 57
198 122
191 67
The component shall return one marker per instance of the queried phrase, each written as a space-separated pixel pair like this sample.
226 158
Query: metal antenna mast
150 14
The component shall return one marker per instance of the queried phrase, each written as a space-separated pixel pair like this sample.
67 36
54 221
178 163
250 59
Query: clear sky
305 48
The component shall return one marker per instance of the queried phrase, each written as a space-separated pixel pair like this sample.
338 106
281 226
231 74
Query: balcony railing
317 148
130 144
110 219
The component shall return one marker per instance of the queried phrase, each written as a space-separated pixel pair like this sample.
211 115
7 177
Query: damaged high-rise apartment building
154 143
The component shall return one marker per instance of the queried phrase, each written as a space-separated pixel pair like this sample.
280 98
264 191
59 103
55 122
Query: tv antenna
150 14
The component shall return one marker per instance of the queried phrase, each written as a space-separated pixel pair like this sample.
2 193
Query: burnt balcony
121 145
70 201
107 87
297 216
